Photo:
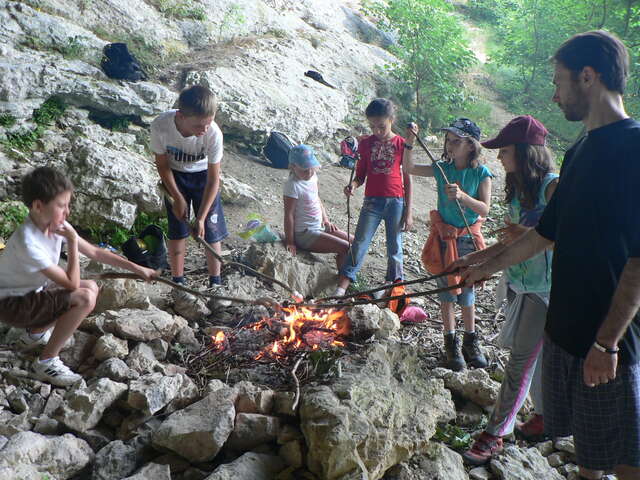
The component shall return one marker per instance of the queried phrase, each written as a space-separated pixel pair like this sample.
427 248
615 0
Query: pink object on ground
413 314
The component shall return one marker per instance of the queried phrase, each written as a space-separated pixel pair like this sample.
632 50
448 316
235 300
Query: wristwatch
408 146
603 349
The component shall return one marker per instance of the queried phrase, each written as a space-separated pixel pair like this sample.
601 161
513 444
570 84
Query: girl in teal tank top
529 186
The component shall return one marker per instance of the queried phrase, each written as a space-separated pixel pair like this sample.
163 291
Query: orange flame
308 327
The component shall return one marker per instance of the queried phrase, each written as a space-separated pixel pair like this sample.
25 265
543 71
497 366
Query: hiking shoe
26 342
483 449
471 351
54 372
531 430
455 361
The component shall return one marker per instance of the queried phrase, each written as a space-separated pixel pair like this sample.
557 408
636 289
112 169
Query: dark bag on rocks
119 63
277 149
148 249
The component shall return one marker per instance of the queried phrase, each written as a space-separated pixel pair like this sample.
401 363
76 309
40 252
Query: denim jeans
374 210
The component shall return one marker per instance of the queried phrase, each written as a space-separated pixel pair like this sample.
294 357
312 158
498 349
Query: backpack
148 249
348 152
119 63
397 306
277 149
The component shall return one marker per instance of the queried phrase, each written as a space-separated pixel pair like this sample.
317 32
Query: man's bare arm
624 306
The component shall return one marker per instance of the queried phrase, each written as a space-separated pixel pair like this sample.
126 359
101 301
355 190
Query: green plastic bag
257 230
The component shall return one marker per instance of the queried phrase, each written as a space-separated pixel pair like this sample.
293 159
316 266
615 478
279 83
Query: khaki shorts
35 309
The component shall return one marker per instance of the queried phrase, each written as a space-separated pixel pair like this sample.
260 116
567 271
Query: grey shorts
467 296
604 420
307 238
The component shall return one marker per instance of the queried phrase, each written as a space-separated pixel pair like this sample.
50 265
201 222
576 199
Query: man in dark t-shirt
591 359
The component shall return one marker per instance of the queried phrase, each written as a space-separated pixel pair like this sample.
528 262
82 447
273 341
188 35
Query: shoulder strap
548 178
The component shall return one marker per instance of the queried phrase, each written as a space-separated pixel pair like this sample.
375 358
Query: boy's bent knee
84 297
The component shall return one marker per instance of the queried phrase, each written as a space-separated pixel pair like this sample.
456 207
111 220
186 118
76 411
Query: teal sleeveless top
534 274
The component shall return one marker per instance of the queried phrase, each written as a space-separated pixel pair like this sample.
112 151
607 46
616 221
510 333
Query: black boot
471 351
455 361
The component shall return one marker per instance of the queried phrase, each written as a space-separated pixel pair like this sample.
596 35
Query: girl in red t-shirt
387 194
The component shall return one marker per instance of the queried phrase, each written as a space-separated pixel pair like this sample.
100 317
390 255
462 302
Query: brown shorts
35 309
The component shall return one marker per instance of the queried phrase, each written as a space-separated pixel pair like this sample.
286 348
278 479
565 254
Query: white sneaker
27 343
55 372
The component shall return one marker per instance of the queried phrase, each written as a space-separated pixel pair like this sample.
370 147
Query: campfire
294 330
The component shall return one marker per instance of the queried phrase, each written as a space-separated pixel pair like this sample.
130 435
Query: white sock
46 360
36 336
450 332
339 292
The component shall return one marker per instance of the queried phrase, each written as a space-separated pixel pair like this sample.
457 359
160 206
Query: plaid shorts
604 420
35 309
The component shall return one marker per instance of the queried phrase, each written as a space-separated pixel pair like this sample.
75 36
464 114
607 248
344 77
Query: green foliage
433 53
454 436
115 235
232 19
12 214
49 112
7 120
182 10
24 140
528 32
359 285
111 121
72 48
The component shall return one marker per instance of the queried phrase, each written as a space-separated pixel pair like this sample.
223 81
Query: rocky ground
159 400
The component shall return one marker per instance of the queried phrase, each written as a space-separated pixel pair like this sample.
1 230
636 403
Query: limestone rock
198 432
479 473
191 307
84 405
383 410
565 444
291 453
142 325
254 399
522 464
236 192
253 429
304 272
109 346
369 320
438 463
116 294
475 385
152 392
142 360
116 370
114 461
152 471
80 349
59 457
254 466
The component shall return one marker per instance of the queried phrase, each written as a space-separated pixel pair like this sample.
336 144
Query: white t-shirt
28 251
186 154
308 212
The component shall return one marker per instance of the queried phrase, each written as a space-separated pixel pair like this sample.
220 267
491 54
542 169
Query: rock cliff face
252 53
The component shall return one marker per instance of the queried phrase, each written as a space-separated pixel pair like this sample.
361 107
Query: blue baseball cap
302 156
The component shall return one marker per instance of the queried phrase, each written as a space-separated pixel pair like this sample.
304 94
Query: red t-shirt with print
380 163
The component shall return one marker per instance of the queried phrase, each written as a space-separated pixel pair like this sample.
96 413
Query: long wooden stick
388 285
313 306
210 249
436 164
176 286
